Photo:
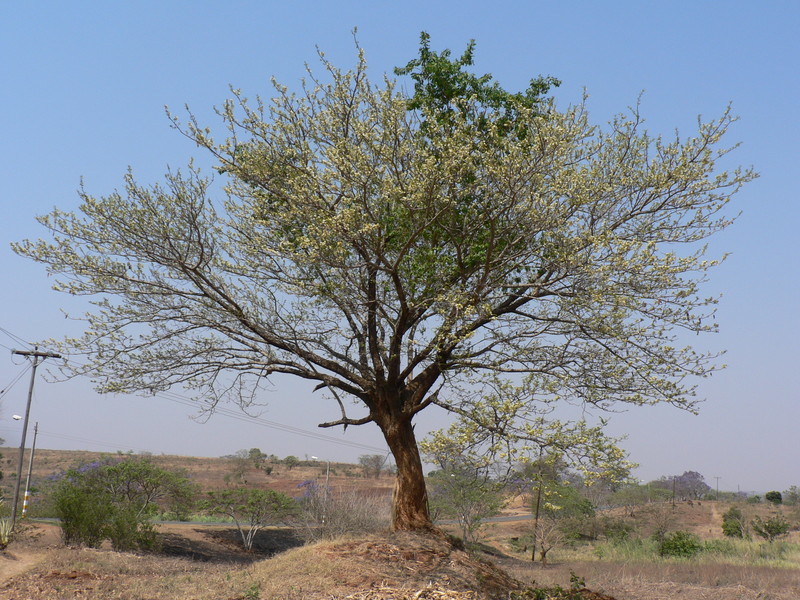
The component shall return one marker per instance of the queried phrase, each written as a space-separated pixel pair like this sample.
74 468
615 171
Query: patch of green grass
715 551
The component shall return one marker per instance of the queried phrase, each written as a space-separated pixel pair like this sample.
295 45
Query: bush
733 523
82 513
680 544
116 500
773 497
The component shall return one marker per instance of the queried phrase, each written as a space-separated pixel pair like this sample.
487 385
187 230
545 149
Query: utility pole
26 495
717 478
38 358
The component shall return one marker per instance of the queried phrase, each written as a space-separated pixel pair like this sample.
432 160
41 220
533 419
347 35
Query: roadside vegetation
584 532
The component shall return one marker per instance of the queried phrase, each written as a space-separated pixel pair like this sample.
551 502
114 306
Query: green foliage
444 88
391 255
772 528
733 523
253 592
291 462
555 592
251 509
680 544
116 500
756 499
774 497
83 509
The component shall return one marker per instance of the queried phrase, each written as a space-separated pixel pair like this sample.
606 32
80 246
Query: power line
16 338
14 381
239 416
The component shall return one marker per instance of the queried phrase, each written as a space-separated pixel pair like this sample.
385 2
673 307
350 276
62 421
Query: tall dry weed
327 515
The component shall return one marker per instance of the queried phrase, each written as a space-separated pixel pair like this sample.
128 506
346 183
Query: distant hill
213 473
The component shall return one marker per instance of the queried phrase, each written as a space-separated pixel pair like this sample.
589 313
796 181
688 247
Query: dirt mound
420 561
398 566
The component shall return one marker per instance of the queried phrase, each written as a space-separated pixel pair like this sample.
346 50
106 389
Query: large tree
389 247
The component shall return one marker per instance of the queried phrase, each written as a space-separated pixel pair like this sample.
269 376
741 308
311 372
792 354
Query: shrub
773 497
82 512
733 523
116 500
680 544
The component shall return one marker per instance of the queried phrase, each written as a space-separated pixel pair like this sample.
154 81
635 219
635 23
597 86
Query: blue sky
82 92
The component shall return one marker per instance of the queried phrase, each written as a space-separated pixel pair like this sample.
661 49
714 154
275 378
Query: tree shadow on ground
225 545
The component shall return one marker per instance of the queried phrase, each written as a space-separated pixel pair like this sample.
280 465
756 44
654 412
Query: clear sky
82 91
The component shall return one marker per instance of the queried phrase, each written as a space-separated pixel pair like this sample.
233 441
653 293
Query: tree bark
410 498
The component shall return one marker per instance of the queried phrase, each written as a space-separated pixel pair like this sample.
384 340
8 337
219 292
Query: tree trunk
410 498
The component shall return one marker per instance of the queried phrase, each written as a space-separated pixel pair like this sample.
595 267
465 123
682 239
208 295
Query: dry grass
85 573
406 563
379 567
665 581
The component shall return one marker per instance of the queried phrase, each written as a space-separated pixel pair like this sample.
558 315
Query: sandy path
14 563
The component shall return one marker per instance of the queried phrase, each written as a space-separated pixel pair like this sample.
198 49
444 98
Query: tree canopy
402 260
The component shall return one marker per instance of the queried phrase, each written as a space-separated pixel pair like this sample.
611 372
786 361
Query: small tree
774 497
734 523
251 509
239 465
372 464
548 534
291 462
464 495
770 529
465 487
